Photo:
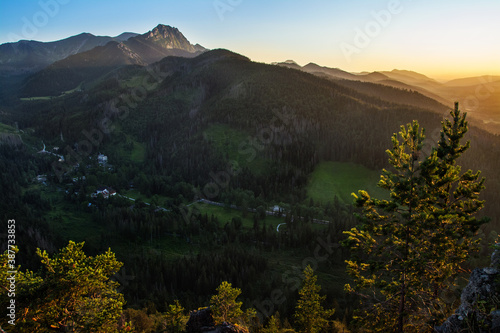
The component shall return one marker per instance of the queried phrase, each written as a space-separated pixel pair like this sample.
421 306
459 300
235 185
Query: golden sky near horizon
442 39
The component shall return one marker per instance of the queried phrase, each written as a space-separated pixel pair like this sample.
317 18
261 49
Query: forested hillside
287 119
210 159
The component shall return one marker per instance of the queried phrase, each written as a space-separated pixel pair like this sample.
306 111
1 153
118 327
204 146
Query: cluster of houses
106 192
102 160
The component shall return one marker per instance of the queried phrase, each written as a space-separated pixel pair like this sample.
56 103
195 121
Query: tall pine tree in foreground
310 316
408 250
225 308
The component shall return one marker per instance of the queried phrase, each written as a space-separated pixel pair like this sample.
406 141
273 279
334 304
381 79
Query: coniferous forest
150 193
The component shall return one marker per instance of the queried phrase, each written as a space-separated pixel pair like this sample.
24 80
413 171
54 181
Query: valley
216 168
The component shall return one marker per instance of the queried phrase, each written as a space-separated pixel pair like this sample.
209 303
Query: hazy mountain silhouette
480 96
69 73
27 56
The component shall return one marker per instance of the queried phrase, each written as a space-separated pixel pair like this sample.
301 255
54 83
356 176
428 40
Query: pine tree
409 249
225 308
175 319
310 315
274 325
71 292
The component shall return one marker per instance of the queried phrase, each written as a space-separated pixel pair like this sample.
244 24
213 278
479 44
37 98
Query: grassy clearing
134 194
227 141
128 148
226 214
41 98
137 154
7 129
45 98
134 81
68 223
330 179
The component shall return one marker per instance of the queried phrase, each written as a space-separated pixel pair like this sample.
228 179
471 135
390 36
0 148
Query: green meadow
330 179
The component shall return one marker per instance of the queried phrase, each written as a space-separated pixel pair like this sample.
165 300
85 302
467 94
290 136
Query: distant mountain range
37 69
479 96
180 123
28 56
70 72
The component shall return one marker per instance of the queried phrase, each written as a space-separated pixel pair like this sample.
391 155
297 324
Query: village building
102 159
106 192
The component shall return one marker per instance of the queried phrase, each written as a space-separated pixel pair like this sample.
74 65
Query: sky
443 39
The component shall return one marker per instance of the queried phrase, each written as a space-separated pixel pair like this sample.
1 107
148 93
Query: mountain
334 72
480 96
26 57
377 84
289 64
471 81
71 72
125 36
161 42
409 76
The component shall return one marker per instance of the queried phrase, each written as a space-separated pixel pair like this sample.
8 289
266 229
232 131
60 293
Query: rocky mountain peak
168 37
164 31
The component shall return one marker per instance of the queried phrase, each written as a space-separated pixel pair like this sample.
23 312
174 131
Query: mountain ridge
164 40
68 73
479 95
29 56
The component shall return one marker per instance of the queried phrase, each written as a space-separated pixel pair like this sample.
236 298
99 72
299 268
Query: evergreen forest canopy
185 133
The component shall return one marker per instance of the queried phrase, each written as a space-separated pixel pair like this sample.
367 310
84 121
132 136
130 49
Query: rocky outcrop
479 310
201 321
